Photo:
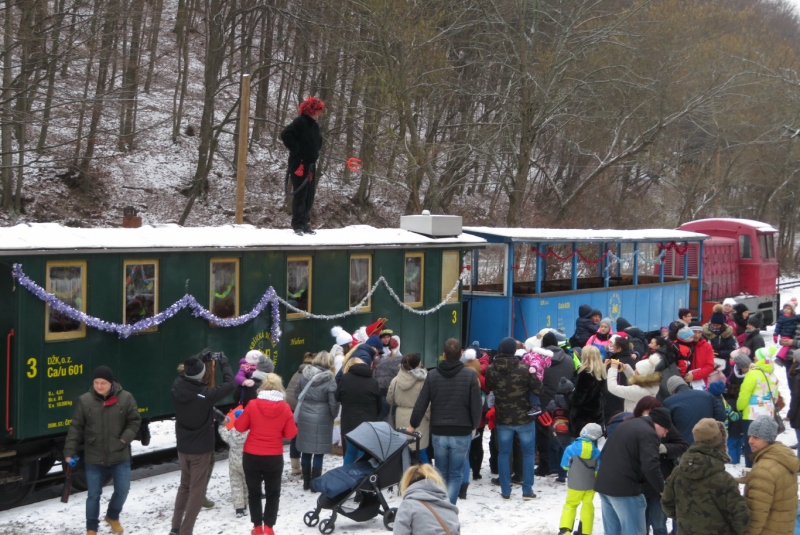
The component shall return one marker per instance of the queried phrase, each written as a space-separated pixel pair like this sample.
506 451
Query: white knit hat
645 367
729 301
533 342
252 356
342 336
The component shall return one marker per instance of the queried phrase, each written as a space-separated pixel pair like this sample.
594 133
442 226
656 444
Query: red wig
311 106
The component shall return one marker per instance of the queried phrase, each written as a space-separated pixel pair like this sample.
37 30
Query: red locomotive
738 261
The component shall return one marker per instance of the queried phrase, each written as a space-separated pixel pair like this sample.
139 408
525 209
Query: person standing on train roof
106 420
304 140
585 325
194 430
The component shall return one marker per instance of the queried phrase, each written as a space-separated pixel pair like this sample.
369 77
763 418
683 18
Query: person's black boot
462 494
306 468
308 230
315 473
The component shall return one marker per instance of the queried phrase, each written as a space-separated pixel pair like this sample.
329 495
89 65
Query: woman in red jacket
269 420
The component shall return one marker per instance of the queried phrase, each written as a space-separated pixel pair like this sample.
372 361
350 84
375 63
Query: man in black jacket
561 366
304 141
454 394
630 458
508 377
194 420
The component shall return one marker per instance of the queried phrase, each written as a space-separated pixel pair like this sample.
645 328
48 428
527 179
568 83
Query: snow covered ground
150 502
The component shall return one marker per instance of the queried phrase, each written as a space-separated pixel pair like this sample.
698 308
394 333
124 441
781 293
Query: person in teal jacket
582 459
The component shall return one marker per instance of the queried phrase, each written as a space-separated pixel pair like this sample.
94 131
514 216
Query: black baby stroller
354 490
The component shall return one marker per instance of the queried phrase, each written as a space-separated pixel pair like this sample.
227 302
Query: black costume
304 141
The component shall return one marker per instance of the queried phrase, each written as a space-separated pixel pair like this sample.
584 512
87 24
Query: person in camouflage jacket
511 381
699 494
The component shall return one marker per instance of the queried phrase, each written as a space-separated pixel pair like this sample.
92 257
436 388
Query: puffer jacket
403 393
786 326
702 497
771 491
385 371
561 365
512 383
759 384
587 403
414 518
703 356
584 328
269 420
638 386
317 411
689 406
102 423
291 399
722 343
454 394
360 396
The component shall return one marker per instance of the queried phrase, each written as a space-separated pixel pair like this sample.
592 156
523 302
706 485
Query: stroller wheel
311 519
388 518
326 526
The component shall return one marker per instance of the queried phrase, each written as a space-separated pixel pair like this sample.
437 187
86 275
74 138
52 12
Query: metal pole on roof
241 150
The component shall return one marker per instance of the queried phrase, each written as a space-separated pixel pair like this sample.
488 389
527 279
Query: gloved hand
223 360
662 448
299 171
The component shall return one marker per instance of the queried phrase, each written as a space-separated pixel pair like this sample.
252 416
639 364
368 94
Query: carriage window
298 284
771 245
450 273
492 268
413 279
225 287
360 280
141 291
67 281
762 243
744 247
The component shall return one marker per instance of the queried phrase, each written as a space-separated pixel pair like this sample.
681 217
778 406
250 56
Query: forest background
560 113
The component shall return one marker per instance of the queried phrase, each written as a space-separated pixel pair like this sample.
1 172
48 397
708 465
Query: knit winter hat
193 368
607 321
374 341
342 336
623 324
265 364
754 320
534 341
592 432
508 346
675 382
595 312
103 372
661 416
729 301
766 353
469 354
791 305
765 428
793 301
718 317
645 367
685 334
741 359
711 432
683 312
716 388
549 340
252 357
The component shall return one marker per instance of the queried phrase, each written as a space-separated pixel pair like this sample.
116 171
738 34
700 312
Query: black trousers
303 200
494 452
266 469
543 448
476 453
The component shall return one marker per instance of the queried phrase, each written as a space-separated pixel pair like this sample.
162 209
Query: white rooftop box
435 226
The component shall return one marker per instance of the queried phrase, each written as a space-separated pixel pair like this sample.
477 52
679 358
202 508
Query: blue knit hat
716 388
374 342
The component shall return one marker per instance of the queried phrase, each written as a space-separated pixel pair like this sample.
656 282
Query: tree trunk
153 49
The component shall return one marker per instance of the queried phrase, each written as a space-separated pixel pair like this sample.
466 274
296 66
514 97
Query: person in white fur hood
343 345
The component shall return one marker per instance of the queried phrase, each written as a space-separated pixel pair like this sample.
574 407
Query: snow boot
315 473
462 494
306 476
308 230
268 531
207 504
295 467
116 527
240 513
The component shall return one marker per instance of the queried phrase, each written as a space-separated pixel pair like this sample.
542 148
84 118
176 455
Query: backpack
560 425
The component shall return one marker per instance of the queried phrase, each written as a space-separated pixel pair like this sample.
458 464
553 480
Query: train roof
758 225
558 235
48 237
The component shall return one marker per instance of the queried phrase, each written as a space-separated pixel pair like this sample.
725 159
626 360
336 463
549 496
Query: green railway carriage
127 276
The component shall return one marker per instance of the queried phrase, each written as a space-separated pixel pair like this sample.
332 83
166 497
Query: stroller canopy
378 439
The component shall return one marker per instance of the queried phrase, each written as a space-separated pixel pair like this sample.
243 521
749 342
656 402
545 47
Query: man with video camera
194 402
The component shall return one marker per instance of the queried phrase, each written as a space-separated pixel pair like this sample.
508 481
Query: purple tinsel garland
125 331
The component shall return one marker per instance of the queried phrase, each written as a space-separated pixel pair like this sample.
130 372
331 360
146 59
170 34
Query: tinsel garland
187 301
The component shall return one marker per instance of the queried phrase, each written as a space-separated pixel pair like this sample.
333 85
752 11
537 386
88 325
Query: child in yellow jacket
582 459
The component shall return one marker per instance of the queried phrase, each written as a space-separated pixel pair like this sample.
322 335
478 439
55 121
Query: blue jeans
351 454
655 516
465 479
735 449
305 459
624 515
557 448
451 456
294 453
505 442
95 474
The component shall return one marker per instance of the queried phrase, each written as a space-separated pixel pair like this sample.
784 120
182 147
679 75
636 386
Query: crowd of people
647 421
